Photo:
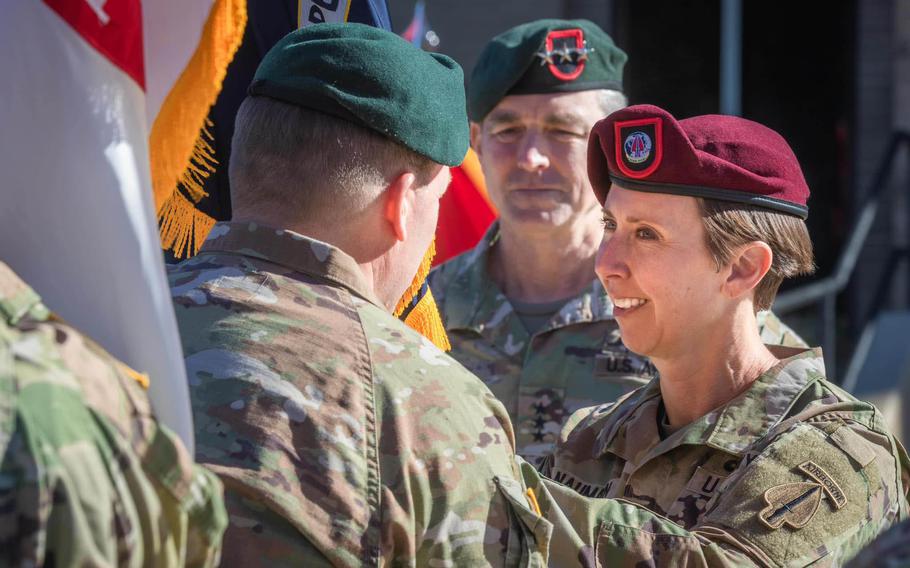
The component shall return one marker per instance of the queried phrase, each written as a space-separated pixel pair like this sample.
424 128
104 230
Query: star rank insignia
795 504
565 53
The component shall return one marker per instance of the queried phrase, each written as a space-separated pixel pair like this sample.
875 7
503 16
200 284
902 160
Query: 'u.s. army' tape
322 11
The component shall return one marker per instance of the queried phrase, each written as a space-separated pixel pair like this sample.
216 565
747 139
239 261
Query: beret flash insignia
639 146
565 53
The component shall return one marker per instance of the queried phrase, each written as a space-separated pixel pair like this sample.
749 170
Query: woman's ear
398 205
747 268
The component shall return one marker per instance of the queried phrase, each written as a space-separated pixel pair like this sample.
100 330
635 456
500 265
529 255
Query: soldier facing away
523 309
87 475
342 436
741 453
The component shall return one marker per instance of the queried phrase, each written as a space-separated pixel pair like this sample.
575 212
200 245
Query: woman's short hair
729 226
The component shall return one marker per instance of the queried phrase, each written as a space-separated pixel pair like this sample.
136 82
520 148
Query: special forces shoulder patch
792 503
565 53
796 503
639 146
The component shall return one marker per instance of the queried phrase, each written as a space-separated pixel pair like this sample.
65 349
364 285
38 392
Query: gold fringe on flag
180 144
417 308
183 228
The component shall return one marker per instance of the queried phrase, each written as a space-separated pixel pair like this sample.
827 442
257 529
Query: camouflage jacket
792 471
342 436
87 476
890 550
575 361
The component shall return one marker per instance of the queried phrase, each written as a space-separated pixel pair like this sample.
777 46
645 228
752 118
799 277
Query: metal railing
825 290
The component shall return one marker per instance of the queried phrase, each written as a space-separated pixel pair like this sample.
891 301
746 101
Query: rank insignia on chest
565 53
796 503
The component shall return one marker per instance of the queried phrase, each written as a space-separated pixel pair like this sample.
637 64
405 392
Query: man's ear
747 268
475 137
399 203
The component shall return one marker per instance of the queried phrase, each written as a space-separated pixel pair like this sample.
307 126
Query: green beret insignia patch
565 53
792 503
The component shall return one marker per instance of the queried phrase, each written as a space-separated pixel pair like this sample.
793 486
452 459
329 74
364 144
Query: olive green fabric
509 65
87 475
373 78
706 495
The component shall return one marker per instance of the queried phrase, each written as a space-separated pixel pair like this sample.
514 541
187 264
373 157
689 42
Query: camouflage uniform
87 476
890 550
792 471
575 361
342 436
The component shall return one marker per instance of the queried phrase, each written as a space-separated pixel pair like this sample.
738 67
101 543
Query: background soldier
87 475
343 436
523 309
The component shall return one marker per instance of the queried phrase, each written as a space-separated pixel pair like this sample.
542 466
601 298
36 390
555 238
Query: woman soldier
740 453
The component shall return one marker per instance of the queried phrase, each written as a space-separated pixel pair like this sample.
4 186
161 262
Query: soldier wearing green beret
523 309
87 475
342 436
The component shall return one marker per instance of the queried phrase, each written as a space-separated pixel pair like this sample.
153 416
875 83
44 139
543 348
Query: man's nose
532 157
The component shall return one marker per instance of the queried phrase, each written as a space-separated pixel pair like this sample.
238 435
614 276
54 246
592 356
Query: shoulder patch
815 471
801 496
791 503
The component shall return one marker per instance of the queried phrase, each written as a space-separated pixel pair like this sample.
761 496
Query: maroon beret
727 158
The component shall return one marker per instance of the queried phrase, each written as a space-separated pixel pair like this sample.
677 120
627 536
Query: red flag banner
465 212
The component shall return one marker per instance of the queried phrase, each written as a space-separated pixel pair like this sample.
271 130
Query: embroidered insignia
639 146
791 503
565 53
832 489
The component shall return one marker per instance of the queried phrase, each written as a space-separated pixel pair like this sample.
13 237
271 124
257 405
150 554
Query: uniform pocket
529 537
619 545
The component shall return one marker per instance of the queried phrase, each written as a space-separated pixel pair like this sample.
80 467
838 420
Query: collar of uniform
290 250
732 428
17 299
463 303
632 428
465 306
748 417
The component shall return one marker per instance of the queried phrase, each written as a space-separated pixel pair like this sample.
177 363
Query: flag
77 209
189 203
465 212
417 29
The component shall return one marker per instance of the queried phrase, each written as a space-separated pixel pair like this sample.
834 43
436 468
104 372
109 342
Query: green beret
545 56
373 78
